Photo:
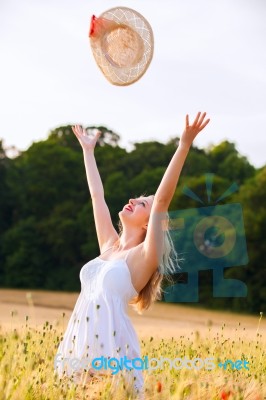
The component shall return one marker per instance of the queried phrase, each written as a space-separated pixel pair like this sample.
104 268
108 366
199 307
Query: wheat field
33 322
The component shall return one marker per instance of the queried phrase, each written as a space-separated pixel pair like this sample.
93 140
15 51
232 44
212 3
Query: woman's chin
124 212
124 216
121 215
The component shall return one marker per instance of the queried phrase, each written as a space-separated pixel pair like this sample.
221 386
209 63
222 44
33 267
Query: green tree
252 198
225 161
147 155
6 202
197 185
45 175
47 229
21 251
64 136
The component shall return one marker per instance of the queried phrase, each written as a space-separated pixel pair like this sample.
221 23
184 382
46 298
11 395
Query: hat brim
123 47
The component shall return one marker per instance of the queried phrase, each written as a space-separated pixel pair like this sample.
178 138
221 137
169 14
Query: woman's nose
131 201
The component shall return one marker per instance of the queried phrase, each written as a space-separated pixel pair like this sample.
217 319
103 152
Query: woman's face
137 210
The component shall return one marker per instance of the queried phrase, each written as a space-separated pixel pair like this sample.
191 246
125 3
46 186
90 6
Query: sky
209 55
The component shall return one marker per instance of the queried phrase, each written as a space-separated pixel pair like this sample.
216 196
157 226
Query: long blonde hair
169 265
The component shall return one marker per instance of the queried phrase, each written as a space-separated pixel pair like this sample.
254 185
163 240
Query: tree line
47 231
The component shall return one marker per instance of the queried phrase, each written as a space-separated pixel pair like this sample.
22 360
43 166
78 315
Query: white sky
210 55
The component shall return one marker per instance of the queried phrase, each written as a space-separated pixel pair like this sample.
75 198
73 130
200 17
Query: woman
129 270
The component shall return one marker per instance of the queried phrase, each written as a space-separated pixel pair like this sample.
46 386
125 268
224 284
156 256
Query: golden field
32 323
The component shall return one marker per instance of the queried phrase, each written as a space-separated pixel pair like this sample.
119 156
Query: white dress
99 325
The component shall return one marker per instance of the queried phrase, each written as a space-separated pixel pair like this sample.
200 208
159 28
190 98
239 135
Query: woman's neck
129 238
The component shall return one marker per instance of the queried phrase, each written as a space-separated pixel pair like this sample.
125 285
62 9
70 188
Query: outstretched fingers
195 123
202 123
74 129
199 121
83 131
77 130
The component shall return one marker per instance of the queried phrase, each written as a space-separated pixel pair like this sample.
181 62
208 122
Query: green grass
27 368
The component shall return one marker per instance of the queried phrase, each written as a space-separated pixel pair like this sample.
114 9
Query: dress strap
112 247
128 254
107 250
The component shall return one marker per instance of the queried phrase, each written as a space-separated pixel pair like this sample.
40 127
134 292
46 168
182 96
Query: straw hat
122 44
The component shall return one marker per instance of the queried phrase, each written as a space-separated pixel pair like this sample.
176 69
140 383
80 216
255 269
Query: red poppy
159 386
225 394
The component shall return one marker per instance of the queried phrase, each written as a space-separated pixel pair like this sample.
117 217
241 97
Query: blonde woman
129 270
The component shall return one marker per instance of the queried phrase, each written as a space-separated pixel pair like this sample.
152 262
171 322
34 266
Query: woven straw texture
124 49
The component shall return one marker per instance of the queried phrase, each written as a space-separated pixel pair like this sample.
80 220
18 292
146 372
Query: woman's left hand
191 131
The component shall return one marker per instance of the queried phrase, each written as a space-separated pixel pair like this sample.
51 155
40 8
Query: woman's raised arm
152 247
166 189
106 232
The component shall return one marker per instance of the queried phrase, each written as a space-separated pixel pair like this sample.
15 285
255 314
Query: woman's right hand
87 143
